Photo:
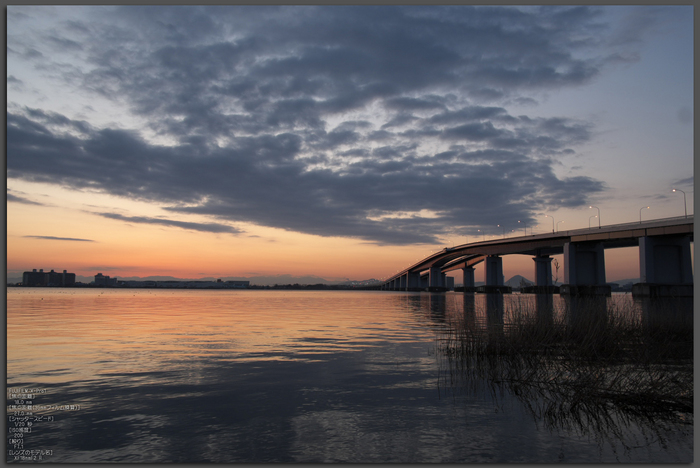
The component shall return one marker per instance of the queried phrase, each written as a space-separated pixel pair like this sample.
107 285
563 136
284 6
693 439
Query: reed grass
586 368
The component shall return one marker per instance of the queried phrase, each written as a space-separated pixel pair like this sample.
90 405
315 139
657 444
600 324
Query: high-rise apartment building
50 278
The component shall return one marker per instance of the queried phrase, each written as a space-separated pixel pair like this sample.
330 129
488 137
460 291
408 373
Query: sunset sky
342 142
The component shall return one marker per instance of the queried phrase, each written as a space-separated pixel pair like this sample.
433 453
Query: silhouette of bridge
664 256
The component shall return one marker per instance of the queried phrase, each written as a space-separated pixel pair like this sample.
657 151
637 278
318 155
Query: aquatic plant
591 365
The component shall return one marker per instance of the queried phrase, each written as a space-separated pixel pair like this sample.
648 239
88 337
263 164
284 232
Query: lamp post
589 220
640 213
598 214
558 225
684 203
504 230
483 234
547 216
524 228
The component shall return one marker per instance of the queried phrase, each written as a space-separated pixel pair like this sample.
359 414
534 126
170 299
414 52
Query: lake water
131 375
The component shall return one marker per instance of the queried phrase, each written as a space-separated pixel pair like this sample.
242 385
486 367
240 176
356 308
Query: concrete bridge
664 258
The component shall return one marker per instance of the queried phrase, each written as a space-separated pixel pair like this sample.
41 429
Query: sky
338 141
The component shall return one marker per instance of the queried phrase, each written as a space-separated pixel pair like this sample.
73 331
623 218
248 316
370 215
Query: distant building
51 278
238 284
102 280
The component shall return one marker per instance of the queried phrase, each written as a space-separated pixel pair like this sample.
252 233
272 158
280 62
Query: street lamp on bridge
524 228
640 213
684 203
558 225
589 220
504 230
598 214
547 216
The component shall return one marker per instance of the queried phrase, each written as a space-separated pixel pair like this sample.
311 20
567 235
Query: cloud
12 81
202 227
15 199
689 182
335 121
63 43
266 180
59 238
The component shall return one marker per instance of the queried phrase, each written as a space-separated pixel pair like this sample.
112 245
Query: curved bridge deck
656 236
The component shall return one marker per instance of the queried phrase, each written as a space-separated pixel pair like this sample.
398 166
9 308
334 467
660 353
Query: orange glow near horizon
124 249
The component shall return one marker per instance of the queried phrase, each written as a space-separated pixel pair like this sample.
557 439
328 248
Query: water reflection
244 376
586 312
469 306
666 322
437 307
544 307
616 370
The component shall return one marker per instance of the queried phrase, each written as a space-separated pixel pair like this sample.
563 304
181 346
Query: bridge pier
493 275
424 282
412 281
493 267
543 276
435 275
665 266
468 279
584 269
436 279
543 270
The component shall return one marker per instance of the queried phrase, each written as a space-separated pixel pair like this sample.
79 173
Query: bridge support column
493 267
543 271
402 282
413 281
584 269
665 266
436 279
493 276
543 276
424 282
468 279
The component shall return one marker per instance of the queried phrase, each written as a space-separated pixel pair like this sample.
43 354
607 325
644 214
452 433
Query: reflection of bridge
664 258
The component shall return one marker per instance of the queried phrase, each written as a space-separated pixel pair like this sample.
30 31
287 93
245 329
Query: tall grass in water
590 364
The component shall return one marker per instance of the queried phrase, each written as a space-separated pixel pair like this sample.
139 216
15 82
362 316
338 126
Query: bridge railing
648 223
645 224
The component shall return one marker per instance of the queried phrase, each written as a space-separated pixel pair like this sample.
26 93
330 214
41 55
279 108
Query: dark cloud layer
17 199
73 239
203 227
263 104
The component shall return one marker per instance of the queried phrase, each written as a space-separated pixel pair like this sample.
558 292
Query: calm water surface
274 376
